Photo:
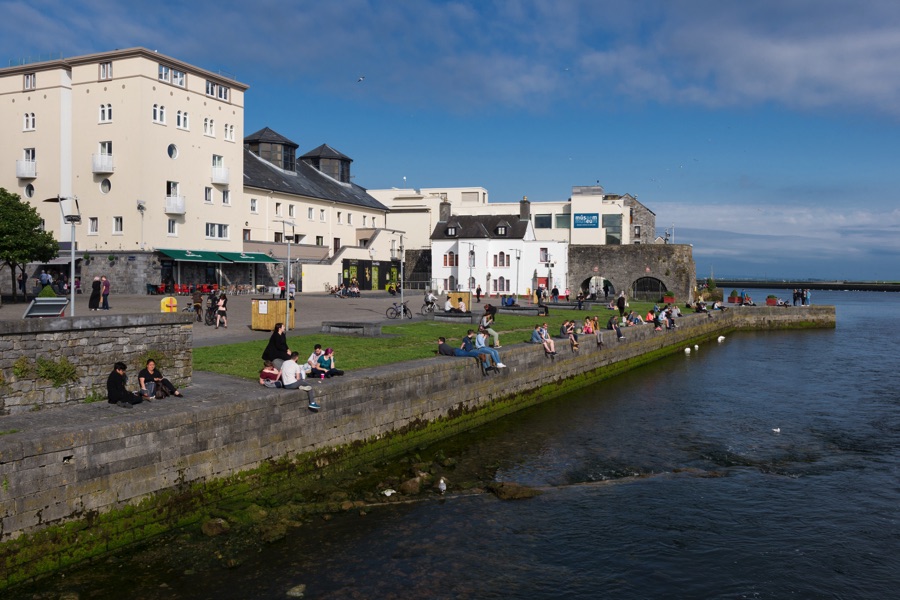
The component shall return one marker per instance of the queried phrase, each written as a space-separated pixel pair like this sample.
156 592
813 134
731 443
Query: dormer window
501 230
451 231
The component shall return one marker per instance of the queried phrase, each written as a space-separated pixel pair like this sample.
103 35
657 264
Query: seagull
721 339
696 347
687 350
442 486
777 430
361 78
389 492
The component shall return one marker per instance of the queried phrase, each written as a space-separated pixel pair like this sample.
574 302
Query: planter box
771 301
734 299
669 299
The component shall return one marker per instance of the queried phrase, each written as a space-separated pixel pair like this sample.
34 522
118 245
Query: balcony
26 169
102 164
175 205
220 175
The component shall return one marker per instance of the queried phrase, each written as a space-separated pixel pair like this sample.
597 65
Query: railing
26 169
175 205
220 175
102 163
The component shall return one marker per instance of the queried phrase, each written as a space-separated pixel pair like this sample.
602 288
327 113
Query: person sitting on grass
269 376
326 367
117 390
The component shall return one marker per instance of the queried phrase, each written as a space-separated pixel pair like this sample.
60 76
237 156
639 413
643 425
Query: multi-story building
154 150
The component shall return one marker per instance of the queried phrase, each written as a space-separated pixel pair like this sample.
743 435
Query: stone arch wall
673 264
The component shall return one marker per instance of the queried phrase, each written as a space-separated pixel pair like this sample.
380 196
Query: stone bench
451 317
352 327
525 311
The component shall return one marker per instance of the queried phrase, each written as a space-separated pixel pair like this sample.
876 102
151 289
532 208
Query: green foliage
9 431
22 240
733 294
47 292
60 373
771 296
22 368
94 396
710 284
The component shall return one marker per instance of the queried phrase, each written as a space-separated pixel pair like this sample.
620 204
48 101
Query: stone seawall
95 463
53 362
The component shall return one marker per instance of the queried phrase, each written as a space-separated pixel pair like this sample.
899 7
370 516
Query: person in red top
281 286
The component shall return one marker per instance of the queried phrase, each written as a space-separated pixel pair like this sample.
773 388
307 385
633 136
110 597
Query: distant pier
859 286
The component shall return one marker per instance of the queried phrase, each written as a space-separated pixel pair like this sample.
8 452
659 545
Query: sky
765 133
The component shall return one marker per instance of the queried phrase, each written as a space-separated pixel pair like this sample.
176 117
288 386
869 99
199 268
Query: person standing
104 292
281 287
21 280
222 311
197 299
94 300
554 295
620 304
478 294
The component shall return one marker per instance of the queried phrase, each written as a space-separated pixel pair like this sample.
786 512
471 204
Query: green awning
193 256
248 257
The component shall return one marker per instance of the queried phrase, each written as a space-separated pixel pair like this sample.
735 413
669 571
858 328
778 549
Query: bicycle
429 308
397 310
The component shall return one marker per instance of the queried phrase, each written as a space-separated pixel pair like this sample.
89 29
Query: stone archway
601 286
649 289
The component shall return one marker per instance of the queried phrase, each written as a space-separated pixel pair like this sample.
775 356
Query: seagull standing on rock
442 486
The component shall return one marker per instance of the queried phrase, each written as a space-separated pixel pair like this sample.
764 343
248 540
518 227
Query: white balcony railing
102 163
26 169
220 175
175 205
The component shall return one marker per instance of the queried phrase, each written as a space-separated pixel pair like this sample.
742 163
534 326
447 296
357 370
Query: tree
22 240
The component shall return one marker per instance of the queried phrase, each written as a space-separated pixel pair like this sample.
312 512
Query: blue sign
586 221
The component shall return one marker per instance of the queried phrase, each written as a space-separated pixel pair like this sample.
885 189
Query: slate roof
267 135
326 151
306 181
481 227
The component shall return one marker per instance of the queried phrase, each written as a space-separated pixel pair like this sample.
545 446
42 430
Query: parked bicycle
398 309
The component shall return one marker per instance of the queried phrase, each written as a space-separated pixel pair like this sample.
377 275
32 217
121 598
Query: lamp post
68 208
287 270
518 260
402 260
471 264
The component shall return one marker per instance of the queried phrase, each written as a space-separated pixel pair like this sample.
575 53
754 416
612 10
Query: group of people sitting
152 385
474 345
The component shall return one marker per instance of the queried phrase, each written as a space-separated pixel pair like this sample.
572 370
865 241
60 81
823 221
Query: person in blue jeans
467 348
482 347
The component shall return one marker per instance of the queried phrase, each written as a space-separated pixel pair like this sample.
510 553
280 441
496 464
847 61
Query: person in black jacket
116 388
277 350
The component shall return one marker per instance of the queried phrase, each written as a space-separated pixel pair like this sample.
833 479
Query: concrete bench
451 317
352 327
525 311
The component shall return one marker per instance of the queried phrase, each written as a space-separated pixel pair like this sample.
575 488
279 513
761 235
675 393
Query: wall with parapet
88 460
87 348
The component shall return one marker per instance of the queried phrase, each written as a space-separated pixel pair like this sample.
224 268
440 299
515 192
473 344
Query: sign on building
586 220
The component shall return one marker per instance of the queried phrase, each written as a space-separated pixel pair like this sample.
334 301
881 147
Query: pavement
312 309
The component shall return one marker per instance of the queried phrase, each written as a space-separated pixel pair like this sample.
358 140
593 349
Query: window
172 189
93 226
29 193
207 194
637 231
373 222
229 133
544 255
165 74
181 120
613 226
279 237
217 161
209 127
254 205
322 214
222 92
30 154
210 88
339 218
28 125
106 148
246 235
217 231
501 230
278 209
105 186
502 259
365 217
291 210
106 70
172 227
309 214
172 151
563 221
226 197
159 114
349 218
178 78
451 259
30 81
320 241
451 231
543 221
106 113
117 226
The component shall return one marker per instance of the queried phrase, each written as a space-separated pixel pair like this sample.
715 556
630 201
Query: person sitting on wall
269 376
277 350
291 372
461 305
468 347
537 337
444 349
449 308
326 367
613 324
510 301
482 347
117 390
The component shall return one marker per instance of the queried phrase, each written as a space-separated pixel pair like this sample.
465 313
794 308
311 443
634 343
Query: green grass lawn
407 341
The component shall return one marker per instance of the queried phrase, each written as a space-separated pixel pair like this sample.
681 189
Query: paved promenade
312 309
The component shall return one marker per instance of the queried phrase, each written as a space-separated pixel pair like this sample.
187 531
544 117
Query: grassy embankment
409 340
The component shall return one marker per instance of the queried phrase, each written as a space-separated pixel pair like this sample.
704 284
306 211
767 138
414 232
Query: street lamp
287 270
68 208
518 259
471 264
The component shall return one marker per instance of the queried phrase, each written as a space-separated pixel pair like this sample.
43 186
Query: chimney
444 212
524 209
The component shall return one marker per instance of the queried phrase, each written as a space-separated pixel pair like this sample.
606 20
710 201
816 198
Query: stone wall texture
672 264
96 458
92 345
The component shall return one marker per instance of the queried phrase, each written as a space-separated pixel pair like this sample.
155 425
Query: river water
667 482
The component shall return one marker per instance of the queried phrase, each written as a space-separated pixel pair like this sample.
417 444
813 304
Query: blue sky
766 132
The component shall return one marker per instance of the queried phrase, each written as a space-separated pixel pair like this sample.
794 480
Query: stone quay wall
53 362
97 460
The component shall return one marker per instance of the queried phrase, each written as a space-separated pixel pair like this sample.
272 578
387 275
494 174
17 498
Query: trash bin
168 304
264 313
